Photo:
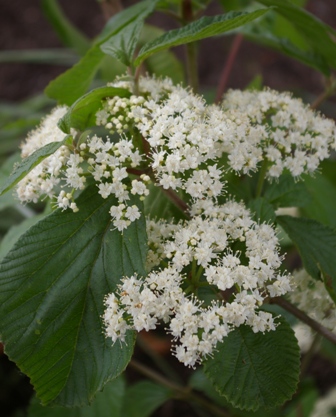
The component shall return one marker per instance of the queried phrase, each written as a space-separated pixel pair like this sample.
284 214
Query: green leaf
82 114
143 398
8 199
322 206
316 244
68 33
106 404
31 162
262 210
157 202
164 63
122 45
253 370
15 232
52 286
72 84
318 34
286 192
200 29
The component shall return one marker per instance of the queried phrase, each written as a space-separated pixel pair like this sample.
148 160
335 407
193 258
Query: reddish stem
228 67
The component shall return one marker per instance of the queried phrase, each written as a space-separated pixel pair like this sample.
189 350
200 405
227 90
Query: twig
228 67
182 205
286 305
191 53
183 392
330 89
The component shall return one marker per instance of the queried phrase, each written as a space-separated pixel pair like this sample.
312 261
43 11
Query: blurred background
32 54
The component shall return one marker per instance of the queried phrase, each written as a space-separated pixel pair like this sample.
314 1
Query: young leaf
253 370
200 29
52 287
72 84
122 45
82 113
106 404
31 162
316 244
146 397
286 192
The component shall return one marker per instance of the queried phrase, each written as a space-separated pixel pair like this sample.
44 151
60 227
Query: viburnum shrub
164 215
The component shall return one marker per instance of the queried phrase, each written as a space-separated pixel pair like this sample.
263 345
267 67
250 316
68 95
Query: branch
286 305
183 392
182 205
228 67
110 8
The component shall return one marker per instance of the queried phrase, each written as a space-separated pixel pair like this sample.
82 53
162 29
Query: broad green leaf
68 33
262 210
52 287
15 232
318 34
143 398
72 84
253 370
286 192
322 206
106 404
316 244
200 29
82 114
31 162
122 45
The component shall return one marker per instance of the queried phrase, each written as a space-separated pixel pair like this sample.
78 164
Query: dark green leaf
68 34
316 244
262 210
286 192
8 199
72 84
31 162
322 206
122 45
200 29
82 114
253 370
106 404
164 63
143 398
318 34
157 203
52 287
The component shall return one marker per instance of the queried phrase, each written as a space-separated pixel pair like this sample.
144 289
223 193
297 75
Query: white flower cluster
312 297
279 129
200 252
170 136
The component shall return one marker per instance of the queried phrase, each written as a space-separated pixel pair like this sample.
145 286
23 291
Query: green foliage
31 162
144 398
81 114
316 244
253 370
200 29
72 84
262 209
106 404
64 266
